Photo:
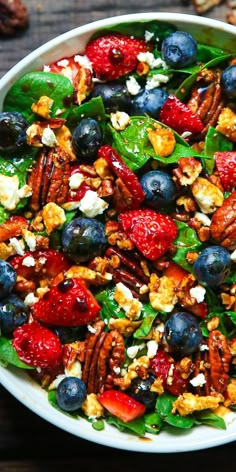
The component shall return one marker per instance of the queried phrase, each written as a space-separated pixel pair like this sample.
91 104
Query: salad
118 230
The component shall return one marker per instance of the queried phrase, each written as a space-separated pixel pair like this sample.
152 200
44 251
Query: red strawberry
179 117
121 405
114 55
123 172
226 166
151 232
37 346
69 303
166 369
48 263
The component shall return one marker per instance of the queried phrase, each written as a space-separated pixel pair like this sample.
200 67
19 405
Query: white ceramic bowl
18 383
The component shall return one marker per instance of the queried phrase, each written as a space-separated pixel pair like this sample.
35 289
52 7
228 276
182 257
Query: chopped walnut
88 275
187 403
162 140
157 386
227 124
124 297
102 169
120 120
213 323
207 195
64 140
138 368
125 326
43 107
188 203
188 171
34 135
53 217
6 251
91 406
231 393
162 293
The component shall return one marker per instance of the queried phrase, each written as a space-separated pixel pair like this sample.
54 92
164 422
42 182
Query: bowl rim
14 380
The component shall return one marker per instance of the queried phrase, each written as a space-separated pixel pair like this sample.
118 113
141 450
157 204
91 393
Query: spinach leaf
109 307
153 422
136 426
164 407
53 402
214 142
186 241
4 215
29 88
209 418
185 87
205 54
135 148
146 325
94 108
159 29
8 354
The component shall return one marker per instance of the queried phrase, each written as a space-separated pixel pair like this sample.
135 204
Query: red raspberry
37 346
114 55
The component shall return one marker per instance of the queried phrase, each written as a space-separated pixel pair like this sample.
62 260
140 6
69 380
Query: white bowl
17 382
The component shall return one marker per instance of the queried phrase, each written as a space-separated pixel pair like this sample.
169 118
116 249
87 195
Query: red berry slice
151 232
37 346
166 369
179 117
114 55
226 166
121 405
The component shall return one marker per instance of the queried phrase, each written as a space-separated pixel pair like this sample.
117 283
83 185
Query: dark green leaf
186 241
4 215
209 418
94 108
29 88
146 326
136 426
214 142
137 29
8 354
164 407
153 423
53 401
98 425
109 307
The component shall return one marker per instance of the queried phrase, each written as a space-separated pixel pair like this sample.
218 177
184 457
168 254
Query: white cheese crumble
120 120
30 299
30 239
63 63
18 246
46 68
152 347
48 137
75 180
204 347
132 351
28 261
92 205
75 370
233 256
156 80
202 218
153 63
148 35
10 194
133 86
124 297
198 381
83 61
198 293
91 329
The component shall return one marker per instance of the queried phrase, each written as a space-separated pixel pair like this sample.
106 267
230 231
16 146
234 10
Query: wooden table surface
27 442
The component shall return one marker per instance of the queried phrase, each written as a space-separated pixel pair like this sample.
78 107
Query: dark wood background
27 442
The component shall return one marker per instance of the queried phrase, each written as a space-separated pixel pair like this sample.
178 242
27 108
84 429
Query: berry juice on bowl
117 193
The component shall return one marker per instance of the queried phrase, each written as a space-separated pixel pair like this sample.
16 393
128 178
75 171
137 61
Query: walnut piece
13 17
187 403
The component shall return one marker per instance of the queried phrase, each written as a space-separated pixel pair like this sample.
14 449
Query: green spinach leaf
214 142
29 88
210 418
136 426
94 108
153 422
164 407
186 241
8 354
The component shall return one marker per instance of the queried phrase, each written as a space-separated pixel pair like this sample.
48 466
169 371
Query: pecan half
223 223
49 178
13 17
219 357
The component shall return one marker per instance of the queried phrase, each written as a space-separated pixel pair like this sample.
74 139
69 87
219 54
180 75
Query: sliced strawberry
151 232
69 303
123 172
166 369
175 272
226 166
179 117
12 227
114 55
37 346
121 405
47 263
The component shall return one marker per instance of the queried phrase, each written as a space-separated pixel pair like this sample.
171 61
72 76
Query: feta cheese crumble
198 381
48 137
92 205
198 293
133 86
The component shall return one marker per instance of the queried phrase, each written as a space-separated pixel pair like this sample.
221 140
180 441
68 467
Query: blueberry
148 102
13 313
140 391
115 96
71 393
179 49
83 239
7 278
228 81
212 266
159 188
12 131
87 138
182 333
68 335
